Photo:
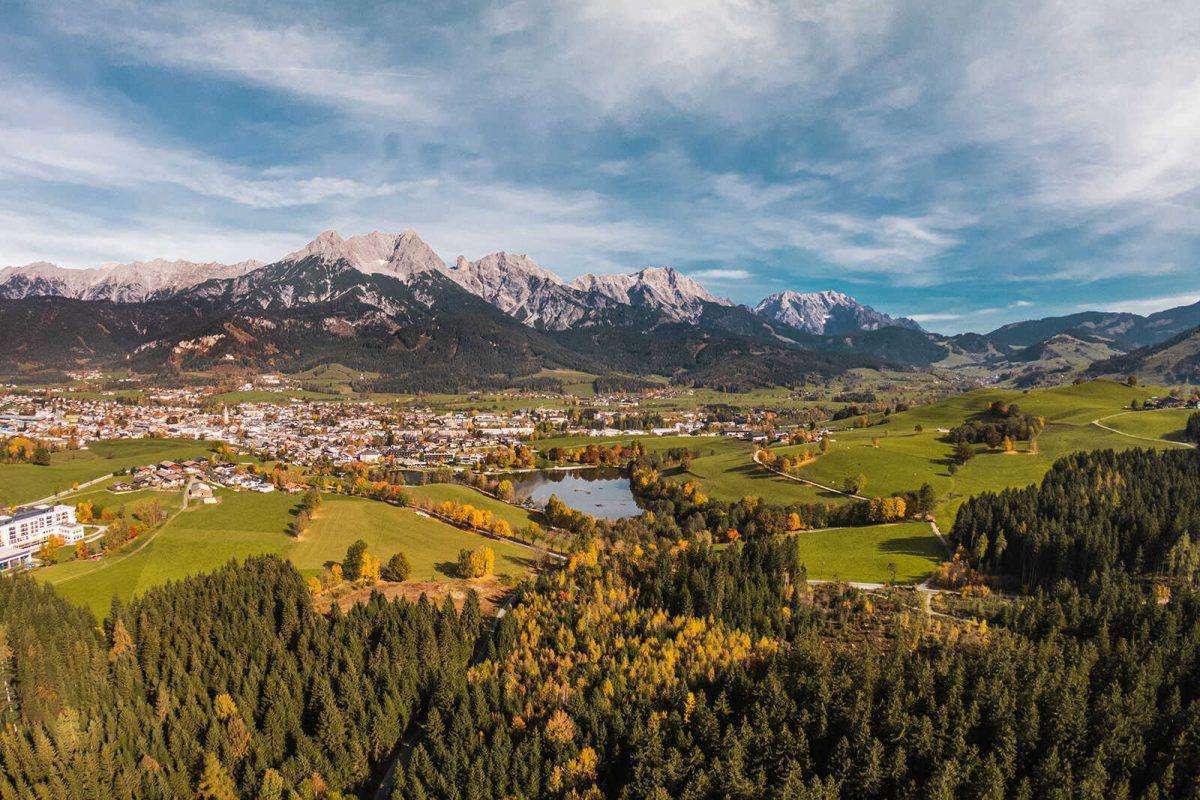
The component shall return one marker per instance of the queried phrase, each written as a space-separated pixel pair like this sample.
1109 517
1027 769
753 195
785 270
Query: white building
23 534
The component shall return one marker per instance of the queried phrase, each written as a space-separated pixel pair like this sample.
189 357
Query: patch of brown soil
492 593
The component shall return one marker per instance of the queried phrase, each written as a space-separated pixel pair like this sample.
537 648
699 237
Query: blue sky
964 163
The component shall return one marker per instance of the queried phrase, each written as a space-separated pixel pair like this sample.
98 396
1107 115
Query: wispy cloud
1148 305
722 275
941 316
870 146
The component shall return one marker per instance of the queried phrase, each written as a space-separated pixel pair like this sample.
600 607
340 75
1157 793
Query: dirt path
805 480
1099 423
106 562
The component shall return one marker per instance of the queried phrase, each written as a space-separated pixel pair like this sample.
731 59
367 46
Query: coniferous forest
650 664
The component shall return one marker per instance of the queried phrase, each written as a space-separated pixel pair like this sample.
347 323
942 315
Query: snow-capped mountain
120 283
826 313
661 288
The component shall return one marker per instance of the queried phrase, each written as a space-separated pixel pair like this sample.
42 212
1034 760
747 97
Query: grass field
733 475
203 538
439 492
1166 423
431 546
905 458
22 483
863 554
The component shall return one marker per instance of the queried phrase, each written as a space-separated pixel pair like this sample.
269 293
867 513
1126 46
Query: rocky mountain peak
401 255
662 288
122 283
827 312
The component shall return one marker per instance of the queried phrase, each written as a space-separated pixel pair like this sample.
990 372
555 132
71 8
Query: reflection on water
600 492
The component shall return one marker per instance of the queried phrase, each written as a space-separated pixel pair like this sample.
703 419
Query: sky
963 163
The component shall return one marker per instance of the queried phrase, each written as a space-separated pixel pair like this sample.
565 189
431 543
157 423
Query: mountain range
389 304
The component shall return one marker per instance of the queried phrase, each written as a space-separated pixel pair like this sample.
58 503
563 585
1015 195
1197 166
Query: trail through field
107 562
806 480
1099 423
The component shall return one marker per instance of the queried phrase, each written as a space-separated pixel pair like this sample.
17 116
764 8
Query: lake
600 492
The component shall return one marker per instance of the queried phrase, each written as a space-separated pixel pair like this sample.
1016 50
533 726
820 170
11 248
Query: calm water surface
600 492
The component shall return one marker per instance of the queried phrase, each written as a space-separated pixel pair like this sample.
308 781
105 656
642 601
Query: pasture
203 538
24 483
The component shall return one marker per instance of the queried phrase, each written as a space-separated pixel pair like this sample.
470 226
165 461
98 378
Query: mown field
1167 423
23 483
440 492
733 475
868 554
203 538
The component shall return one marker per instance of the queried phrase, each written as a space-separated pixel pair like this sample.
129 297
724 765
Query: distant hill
1126 330
1176 360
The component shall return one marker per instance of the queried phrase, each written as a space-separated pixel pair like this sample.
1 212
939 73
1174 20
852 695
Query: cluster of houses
195 474
1171 401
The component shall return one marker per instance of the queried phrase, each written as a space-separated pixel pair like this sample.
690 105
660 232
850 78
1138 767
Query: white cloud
719 275
321 62
52 136
935 317
1148 305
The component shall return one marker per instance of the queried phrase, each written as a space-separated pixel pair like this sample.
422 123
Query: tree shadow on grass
921 546
448 568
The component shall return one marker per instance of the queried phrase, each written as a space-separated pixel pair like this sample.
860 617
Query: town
319 432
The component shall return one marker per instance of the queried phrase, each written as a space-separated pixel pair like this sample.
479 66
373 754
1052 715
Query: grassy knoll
431 546
904 458
1166 423
22 483
439 492
732 475
863 554
203 538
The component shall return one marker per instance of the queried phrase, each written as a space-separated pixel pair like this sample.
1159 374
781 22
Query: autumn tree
476 562
397 568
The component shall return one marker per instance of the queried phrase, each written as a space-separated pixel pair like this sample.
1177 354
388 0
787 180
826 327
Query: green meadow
1166 423
895 456
243 524
869 554
23 483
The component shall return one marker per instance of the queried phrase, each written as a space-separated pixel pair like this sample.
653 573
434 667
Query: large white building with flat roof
23 533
